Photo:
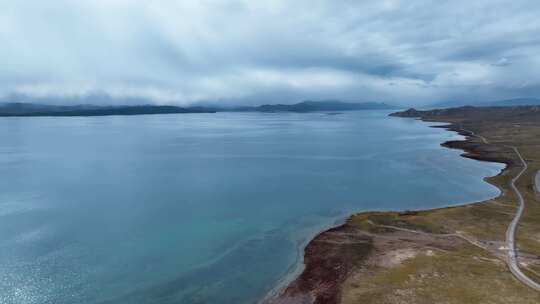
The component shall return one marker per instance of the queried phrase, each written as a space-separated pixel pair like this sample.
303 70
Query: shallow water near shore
202 208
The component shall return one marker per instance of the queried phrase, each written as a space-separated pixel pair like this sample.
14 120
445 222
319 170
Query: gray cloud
503 61
271 51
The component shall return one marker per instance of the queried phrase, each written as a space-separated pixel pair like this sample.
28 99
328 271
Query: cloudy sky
180 52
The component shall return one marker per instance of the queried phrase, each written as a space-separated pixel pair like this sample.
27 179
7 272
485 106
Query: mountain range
37 109
495 103
313 106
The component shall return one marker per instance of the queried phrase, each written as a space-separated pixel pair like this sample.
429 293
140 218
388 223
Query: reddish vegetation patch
356 250
329 258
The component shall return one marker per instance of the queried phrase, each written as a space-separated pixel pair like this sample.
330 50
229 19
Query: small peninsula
447 255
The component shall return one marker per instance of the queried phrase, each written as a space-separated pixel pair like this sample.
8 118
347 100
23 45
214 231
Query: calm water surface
201 208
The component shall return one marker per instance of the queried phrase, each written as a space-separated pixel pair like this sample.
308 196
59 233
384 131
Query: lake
202 208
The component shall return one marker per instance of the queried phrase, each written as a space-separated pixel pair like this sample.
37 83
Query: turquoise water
201 208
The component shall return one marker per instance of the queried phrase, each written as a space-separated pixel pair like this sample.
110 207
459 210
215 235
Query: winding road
512 259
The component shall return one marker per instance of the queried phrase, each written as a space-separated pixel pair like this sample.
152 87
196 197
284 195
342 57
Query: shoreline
298 265
332 279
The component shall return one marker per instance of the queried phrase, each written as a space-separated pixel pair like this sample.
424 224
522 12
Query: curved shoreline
298 265
320 283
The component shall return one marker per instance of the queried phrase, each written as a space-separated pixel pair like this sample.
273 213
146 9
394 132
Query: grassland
448 255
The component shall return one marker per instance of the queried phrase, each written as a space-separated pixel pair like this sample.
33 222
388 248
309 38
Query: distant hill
529 112
30 109
495 103
313 106
26 106
516 102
